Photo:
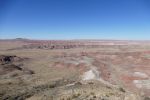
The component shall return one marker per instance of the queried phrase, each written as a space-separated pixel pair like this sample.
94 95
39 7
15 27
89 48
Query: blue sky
75 19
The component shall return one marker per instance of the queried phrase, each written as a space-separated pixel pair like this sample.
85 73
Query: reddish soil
116 67
115 60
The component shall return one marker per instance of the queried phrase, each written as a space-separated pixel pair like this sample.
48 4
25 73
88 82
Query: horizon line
75 39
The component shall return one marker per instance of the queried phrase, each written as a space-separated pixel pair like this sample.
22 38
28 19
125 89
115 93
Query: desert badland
74 70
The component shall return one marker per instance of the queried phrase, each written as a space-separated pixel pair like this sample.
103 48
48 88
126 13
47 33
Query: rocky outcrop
10 59
11 63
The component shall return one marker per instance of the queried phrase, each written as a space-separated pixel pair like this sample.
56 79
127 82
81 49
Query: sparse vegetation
31 73
147 98
122 89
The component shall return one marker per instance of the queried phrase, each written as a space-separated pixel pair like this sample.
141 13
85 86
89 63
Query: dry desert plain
74 69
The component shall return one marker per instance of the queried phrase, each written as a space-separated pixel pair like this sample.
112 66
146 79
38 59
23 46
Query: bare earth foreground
74 70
